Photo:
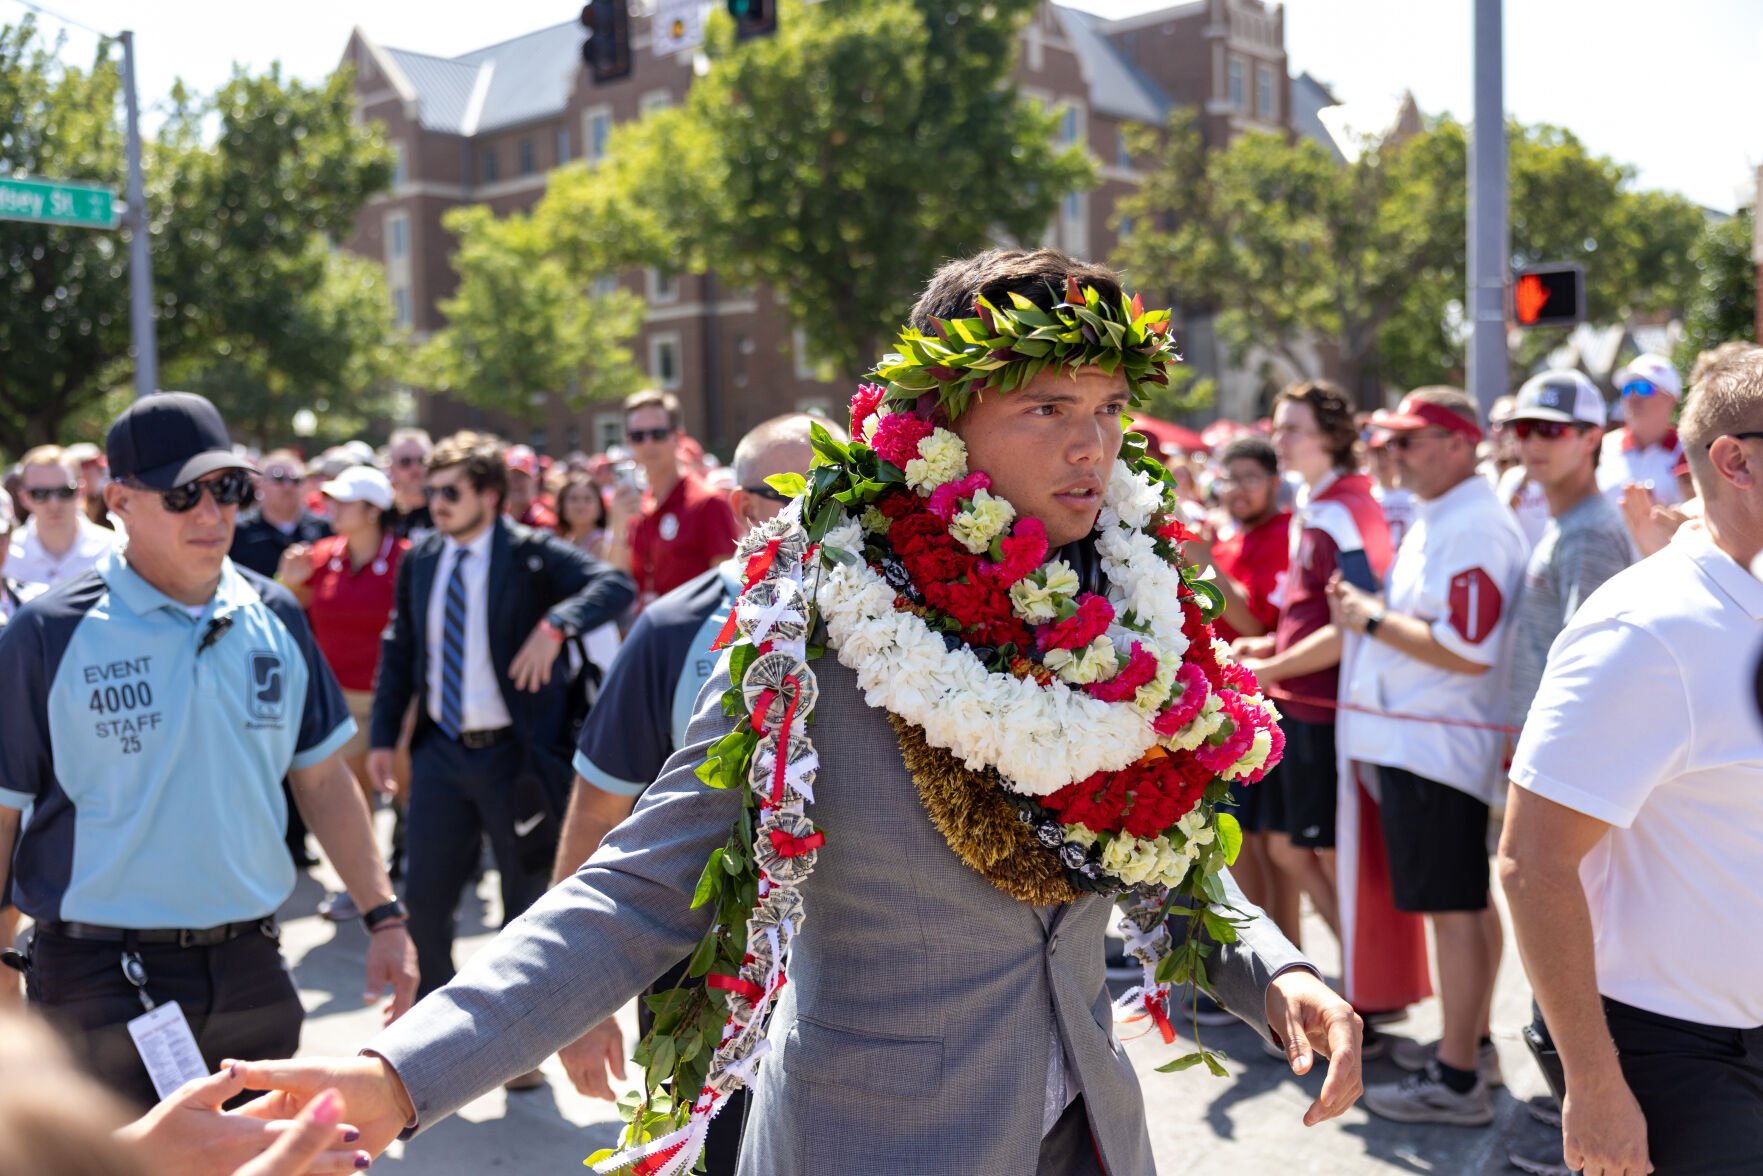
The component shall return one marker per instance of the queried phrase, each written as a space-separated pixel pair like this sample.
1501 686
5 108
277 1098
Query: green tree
244 187
1723 306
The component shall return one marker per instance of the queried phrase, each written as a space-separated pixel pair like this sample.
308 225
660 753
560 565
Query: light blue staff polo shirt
154 765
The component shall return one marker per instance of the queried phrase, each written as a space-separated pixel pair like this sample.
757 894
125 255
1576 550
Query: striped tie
453 651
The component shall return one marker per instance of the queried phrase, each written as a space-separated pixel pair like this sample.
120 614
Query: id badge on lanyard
162 1035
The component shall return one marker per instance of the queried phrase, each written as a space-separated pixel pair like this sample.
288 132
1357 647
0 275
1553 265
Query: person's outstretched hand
188 1134
378 1104
1311 1019
302 1149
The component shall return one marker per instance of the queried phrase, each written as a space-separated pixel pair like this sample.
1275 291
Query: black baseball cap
167 439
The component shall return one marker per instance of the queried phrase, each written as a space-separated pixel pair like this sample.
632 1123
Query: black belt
478 740
205 937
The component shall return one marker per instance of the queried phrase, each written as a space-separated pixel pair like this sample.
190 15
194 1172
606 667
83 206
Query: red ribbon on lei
1154 1006
727 983
756 568
788 845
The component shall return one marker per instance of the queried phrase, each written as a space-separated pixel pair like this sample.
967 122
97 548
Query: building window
400 167
1125 228
1122 149
654 100
1071 126
528 162
804 362
664 359
1074 224
489 165
572 437
562 145
1235 73
401 306
663 287
397 236
596 133
605 285
1266 100
608 430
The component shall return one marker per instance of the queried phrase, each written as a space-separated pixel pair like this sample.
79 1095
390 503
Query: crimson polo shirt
348 609
1257 559
691 531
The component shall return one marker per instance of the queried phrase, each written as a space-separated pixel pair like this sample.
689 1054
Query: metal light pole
135 216
1489 254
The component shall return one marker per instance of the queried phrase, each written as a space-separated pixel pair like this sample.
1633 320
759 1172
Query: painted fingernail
232 1069
351 1135
363 1161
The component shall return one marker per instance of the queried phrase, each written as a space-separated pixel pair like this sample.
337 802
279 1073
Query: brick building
486 127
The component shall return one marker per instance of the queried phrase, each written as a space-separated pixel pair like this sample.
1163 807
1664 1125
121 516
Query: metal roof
443 88
1116 88
517 81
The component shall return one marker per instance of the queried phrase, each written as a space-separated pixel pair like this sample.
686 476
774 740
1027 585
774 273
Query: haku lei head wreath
1065 741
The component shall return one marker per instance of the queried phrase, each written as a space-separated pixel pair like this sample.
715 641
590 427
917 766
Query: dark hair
480 454
654 398
586 483
1038 276
1333 410
1256 449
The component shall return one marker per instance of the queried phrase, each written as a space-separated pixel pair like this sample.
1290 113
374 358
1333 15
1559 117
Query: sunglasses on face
1640 388
232 488
45 493
283 476
449 493
766 492
1547 430
408 460
638 436
1401 442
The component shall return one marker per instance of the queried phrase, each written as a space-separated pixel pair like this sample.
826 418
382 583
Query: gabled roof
517 81
1309 99
1116 88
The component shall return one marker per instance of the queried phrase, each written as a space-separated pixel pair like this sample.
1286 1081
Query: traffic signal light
607 51
1549 296
753 18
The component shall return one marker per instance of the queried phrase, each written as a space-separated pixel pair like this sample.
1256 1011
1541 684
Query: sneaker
1424 1098
339 908
1545 1109
1414 1055
1538 1167
531 1080
1373 1044
1384 1017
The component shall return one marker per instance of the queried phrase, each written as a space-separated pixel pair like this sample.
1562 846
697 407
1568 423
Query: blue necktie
453 651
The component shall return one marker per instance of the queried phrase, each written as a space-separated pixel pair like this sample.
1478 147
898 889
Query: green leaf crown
1004 348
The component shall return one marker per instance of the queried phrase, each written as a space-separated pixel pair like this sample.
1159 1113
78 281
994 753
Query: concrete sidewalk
1249 1123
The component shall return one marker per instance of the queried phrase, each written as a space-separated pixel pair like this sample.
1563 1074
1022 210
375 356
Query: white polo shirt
1621 461
1646 719
29 562
1459 569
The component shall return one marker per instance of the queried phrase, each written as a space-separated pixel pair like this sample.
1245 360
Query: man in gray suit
932 1024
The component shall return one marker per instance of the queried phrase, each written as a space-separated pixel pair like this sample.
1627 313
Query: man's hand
531 667
590 1058
1349 607
380 772
1603 1132
301 1150
391 963
379 1106
295 566
188 1134
1311 1019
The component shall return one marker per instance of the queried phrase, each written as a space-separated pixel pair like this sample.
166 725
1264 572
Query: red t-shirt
1256 558
1341 528
684 536
348 609
542 513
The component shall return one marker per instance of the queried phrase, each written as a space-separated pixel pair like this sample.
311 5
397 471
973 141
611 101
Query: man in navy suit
484 609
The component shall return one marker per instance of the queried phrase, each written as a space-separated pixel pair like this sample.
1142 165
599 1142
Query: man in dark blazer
484 609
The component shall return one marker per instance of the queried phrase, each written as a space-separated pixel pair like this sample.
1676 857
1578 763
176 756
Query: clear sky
1665 85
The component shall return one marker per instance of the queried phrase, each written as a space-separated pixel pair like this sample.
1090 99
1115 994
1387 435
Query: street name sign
57 202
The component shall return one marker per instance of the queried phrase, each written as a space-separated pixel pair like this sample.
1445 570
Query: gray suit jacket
914 1034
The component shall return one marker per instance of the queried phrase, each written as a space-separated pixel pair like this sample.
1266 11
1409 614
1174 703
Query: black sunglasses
1401 441
1547 430
45 493
232 488
638 436
408 460
282 476
768 492
450 493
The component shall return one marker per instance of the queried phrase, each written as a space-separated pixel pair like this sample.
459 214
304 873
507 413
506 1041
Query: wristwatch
1372 622
384 913
553 628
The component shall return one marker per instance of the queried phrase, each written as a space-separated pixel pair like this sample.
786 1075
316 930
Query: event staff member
482 611
685 527
1634 829
1251 563
406 463
1430 646
58 543
1337 527
157 703
345 584
640 720
1644 450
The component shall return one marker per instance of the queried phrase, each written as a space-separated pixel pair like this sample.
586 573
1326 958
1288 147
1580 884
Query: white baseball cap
360 484
1559 395
1655 370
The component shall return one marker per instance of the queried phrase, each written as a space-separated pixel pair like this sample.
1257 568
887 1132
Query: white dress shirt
30 563
483 708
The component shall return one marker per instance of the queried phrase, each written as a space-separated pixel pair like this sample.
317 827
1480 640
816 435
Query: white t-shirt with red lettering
1460 569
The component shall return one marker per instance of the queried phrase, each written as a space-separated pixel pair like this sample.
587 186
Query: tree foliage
1369 257
1723 306
245 188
